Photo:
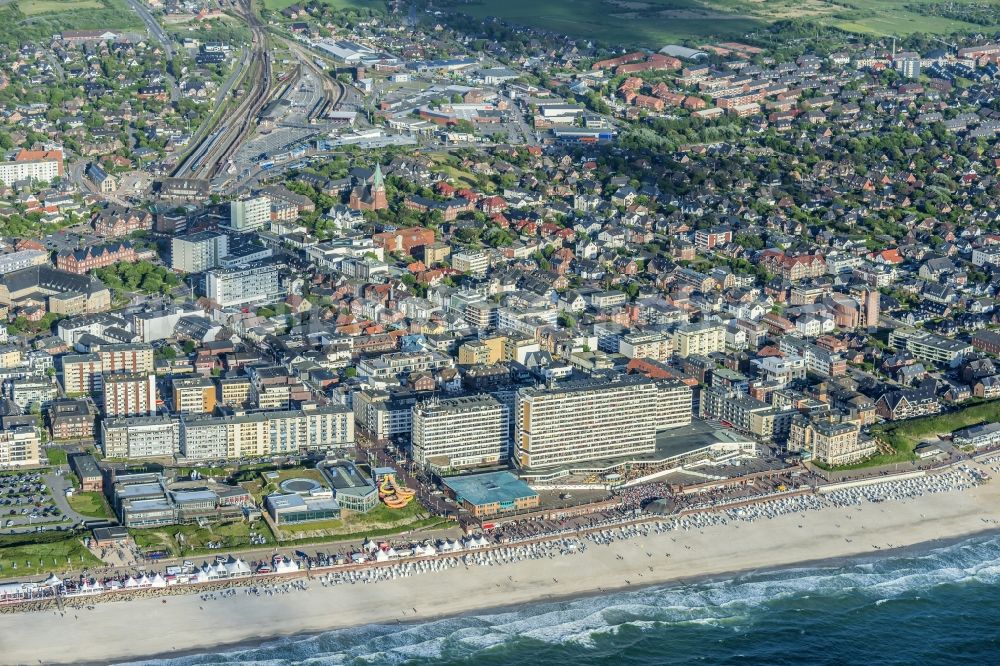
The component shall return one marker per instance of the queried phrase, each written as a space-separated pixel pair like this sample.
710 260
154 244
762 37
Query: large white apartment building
266 433
198 252
254 283
460 432
249 214
140 437
595 420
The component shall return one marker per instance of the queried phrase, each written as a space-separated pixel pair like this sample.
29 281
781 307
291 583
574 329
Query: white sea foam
583 622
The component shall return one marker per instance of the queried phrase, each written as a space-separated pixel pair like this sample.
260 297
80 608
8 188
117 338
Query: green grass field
336 4
185 540
56 455
36 7
89 504
652 23
906 435
37 553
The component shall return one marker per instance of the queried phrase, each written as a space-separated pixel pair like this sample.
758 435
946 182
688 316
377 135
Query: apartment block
140 437
702 339
460 432
20 447
129 394
194 395
657 346
592 420
198 252
312 428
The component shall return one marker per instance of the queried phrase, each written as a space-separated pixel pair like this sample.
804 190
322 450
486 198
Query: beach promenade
117 631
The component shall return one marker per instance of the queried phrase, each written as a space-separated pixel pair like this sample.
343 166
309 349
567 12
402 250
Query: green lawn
56 456
185 540
35 7
90 504
653 23
381 519
336 4
43 552
905 435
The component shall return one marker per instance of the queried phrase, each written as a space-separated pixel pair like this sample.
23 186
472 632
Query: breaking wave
921 606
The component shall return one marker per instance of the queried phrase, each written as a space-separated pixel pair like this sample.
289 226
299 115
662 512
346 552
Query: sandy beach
118 631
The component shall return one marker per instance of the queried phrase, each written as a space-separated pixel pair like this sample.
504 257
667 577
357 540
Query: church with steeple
369 193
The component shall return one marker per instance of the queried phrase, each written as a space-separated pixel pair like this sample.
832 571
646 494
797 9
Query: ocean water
938 606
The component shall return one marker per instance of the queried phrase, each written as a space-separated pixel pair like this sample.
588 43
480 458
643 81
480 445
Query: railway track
219 145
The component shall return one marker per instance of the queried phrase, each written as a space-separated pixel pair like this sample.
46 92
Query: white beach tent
369 546
285 566
131 583
145 581
52 581
392 553
158 581
202 576
238 568
381 556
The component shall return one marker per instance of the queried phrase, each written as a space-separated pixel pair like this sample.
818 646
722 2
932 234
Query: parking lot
26 504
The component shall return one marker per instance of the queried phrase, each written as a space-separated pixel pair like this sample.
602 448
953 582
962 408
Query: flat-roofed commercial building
460 432
491 494
595 420
353 489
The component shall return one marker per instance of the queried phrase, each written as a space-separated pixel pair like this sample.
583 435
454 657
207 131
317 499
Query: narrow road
163 38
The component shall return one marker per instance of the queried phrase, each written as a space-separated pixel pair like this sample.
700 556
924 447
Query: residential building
194 395
577 422
702 339
460 432
72 419
129 394
474 263
198 252
20 447
929 347
140 437
254 283
249 214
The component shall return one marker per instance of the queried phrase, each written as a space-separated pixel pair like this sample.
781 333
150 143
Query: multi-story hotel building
460 432
829 442
595 420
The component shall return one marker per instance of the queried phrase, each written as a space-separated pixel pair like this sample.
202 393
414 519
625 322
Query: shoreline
184 624
842 560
